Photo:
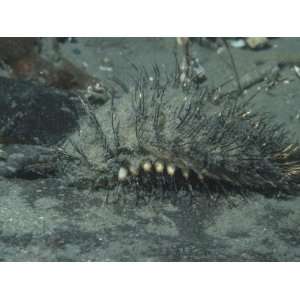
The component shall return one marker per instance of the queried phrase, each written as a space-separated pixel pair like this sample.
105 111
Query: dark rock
34 114
29 162
14 48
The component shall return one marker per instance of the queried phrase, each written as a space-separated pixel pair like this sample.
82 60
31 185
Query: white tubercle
159 166
123 173
134 170
147 166
185 174
171 169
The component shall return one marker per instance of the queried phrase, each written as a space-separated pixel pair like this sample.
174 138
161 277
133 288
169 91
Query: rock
24 60
257 42
33 113
29 162
13 49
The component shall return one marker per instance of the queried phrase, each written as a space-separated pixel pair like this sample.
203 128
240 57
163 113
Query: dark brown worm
183 141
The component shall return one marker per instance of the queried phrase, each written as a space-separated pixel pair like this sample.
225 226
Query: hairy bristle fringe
198 145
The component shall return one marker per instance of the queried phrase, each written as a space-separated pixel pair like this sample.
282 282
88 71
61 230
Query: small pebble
220 50
297 70
257 42
240 43
106 61
105 69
